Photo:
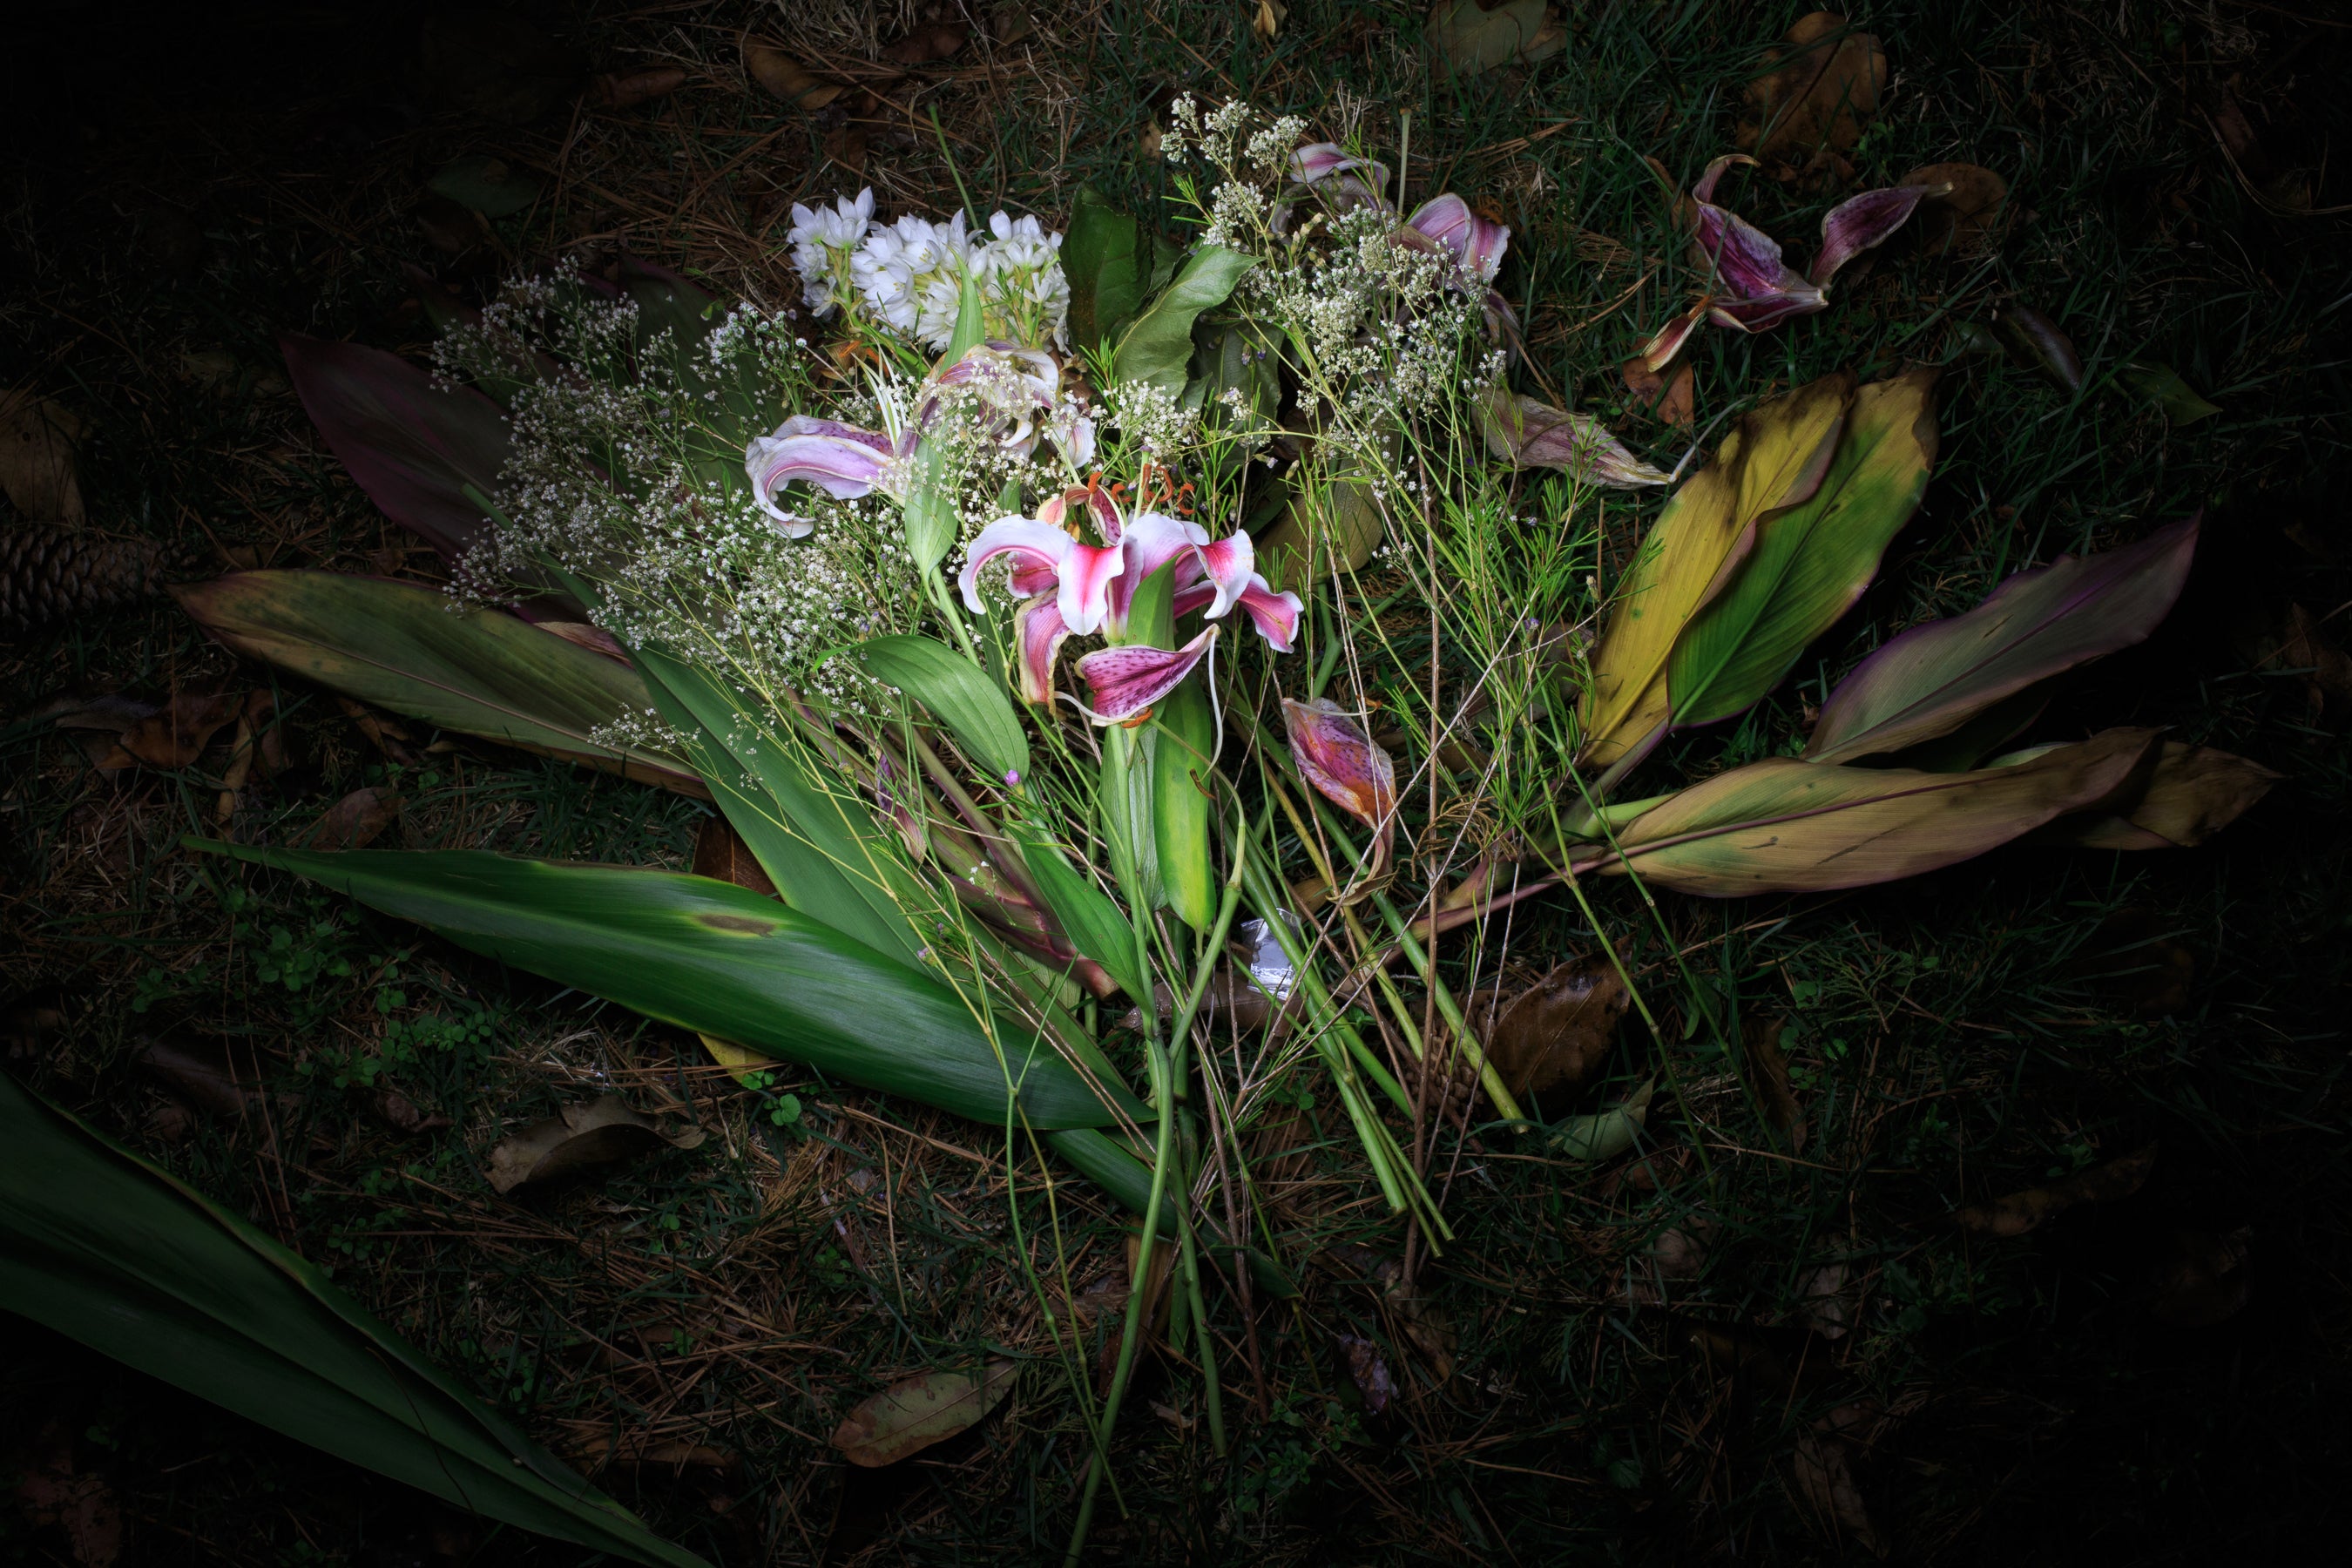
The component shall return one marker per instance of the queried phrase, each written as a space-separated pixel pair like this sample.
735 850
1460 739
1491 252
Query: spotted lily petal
1039 630
842 460
1660 350
1340 760
1128 680
1531 434
1478 242
1861 222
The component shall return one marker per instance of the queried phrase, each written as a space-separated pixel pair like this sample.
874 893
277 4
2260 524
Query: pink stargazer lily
1018 386
1478 242
1752 287
1318 162
1070 588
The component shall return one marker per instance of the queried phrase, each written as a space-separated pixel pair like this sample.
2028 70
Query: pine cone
48 573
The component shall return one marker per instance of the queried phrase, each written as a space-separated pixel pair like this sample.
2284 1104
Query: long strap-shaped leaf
125 1258
1783 825
402 646
720 960
824 862
1773 458
413 446
1932 678
1812 562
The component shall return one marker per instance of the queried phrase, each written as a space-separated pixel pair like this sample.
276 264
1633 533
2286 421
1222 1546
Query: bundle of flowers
1113 649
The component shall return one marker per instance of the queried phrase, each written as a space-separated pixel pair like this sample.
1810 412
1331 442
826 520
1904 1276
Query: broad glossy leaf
915 1412
716 959
131 1261
1784 826
959 695
2191 794
402 646
1183 794
1158 348
1934 679
827 855
1810 561
1102 256
413 446
1773 459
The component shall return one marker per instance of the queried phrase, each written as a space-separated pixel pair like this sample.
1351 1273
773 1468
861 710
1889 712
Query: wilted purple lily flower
1340 760
1019 387
1069 587
1319 161
1752 287
1478 242
1531 434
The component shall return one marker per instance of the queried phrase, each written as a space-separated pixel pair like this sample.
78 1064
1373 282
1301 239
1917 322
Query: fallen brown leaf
200 1073
2136 960
37 444
924 44
1969 219
1829 1303
2206 1279
1267 23
1671 398
602 1132
384 733
911 1416
82 1507
846 145
2014 1214
1556 1033
2038 344
1823 1465
627 89
1475 36
401 1114
2302 643
608 1451
1822 91
721 853
355 821
496 64
177 734
779 76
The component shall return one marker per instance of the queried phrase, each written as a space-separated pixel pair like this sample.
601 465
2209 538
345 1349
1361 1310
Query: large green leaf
959 695
127 1259
1810 561
1182 793
825 853
402 646
1101 255
1784 826
1774 458
1094 924
1935 678
1158 348
717 959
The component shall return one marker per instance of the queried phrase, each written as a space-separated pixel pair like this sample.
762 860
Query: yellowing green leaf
1605 1134
1810 561
1470 38
908 1416
2191 794
1774 458
1782 825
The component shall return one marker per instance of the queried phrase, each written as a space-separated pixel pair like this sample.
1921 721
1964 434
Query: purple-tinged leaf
2191 794
1934 679
1782 825
1346 767
411 445
1865 222
1531 434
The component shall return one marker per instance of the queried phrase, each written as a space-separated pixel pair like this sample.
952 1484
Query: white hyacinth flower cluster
908 275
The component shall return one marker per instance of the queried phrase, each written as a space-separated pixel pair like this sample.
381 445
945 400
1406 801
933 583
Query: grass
1569 1389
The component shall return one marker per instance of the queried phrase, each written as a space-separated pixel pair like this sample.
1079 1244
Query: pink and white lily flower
1318 162
1752 287
1477 242
1017 389
1070 588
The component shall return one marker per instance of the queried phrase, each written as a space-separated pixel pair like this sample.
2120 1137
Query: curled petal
1769 308
1150 541
1274 615
1660 350
1039 630
1128 680
1319 161
839 460
1479 242
1231 566
1038 551
1091 502
1856 224
1529 434
1744 258
1704 190
1338 759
